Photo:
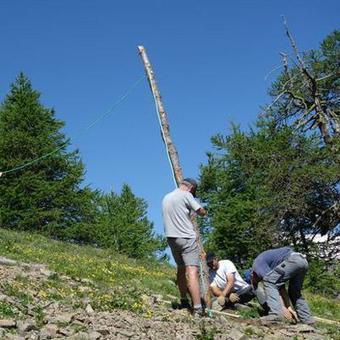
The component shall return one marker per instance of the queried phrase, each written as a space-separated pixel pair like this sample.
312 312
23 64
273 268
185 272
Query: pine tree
45 196
125 227
269 187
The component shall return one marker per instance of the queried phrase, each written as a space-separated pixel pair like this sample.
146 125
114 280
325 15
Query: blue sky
210 59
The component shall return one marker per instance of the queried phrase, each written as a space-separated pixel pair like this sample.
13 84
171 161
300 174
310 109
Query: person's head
189 184
212 261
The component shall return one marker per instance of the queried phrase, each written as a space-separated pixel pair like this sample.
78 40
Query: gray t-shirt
176 207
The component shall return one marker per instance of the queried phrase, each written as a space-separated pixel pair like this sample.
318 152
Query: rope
96 121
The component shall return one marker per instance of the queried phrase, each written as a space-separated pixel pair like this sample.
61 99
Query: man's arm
201 211
230 284
287 310
195 206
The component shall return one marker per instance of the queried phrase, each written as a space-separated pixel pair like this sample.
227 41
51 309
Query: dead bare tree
300 93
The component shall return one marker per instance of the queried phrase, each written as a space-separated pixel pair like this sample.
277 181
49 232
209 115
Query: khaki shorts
184 250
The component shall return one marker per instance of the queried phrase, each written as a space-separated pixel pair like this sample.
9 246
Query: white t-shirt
219 277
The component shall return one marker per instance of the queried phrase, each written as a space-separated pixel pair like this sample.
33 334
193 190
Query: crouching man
274 268
226 283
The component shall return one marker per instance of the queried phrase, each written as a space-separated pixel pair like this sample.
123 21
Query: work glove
233 298
221 300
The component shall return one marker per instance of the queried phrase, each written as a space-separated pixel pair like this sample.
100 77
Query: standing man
276 267
226 283
179 230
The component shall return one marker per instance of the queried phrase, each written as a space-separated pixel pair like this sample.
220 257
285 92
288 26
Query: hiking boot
198 313
184 304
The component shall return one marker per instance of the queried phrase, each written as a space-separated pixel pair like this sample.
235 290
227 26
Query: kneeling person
275 267
226 283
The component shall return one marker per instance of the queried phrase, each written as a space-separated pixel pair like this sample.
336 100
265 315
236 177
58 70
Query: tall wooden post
173 156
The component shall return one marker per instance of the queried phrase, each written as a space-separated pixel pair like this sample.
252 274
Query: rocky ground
33 306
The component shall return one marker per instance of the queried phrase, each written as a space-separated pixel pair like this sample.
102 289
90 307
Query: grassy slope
129 278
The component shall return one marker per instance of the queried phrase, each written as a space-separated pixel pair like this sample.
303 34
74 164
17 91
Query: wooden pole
172 152
174 159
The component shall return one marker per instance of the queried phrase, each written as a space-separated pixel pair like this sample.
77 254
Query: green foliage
122 225
323 278
328 308
45 196
6 310
276 184
206 332
266 188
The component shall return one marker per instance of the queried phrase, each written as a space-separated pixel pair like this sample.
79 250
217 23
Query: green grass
6 310
323 307
120 281
99 265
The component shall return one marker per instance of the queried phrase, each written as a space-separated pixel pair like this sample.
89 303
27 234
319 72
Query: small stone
64 332
81 318
89 309
49 331
86 281
64 318
38 267
2 333
127 333
14 337
304 328
103 331
25 326
44 271
33 335
235 334
7 262
94 335
7 323
79 336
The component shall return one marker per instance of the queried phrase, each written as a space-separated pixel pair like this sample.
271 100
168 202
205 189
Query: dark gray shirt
269 259
176 207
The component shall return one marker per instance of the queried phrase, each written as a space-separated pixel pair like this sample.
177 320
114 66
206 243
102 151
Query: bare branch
327 76
296 97
302 121
297 54
285 61
335 206
271 71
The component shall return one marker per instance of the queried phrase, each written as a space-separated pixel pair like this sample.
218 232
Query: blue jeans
292 270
